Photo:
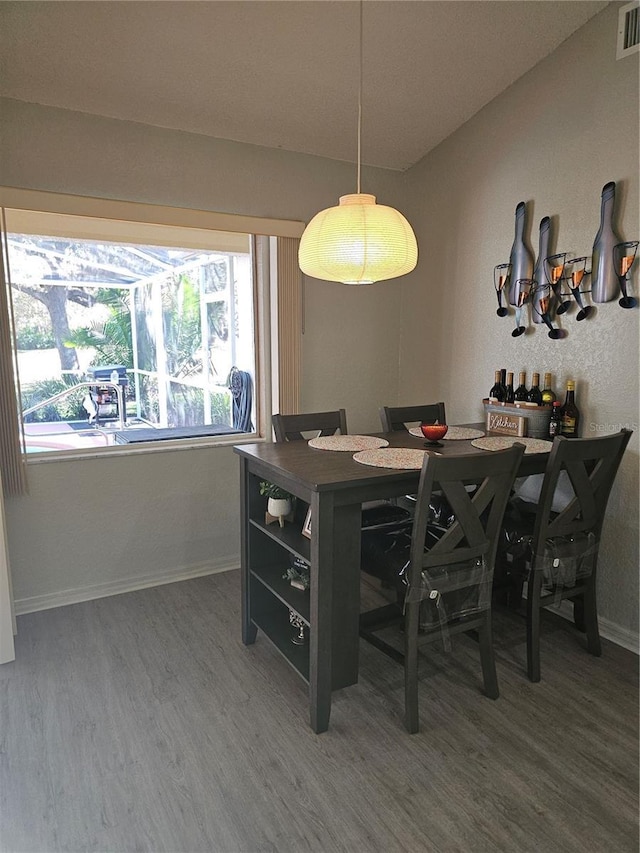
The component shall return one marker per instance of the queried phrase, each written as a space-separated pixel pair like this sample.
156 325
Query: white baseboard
608 630
130 584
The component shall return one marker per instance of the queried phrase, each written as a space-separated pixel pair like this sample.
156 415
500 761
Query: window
135 331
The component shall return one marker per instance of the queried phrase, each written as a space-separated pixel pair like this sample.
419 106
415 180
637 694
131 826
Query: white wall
553 140
96 526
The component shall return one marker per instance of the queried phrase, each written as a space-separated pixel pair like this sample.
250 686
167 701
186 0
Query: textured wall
553 140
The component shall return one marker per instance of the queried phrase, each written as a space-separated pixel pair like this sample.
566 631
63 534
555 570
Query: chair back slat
293 427
395 418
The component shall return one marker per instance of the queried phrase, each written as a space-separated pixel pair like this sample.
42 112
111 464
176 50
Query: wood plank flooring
140 723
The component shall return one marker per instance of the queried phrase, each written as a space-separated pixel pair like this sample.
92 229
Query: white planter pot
279 508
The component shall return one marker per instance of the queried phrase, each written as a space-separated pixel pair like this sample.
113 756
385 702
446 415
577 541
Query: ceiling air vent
628 29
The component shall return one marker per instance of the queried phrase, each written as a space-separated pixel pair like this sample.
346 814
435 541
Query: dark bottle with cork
520 394
498 392
509 387
535 395
570 413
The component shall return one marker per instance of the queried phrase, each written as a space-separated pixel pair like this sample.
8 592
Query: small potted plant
280 502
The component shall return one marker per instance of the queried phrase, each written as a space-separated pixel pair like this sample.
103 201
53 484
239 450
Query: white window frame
113 213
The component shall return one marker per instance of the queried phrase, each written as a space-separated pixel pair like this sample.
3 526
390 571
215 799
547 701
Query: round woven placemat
454 433
501 442
347 442
393 457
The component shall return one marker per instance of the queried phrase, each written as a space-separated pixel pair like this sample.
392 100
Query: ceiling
283 73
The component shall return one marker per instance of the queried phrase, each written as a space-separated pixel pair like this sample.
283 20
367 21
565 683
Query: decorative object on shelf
279 503
524 286
554 273
604 278
306 527
298 573
300 638
541 304
359 241
624 254
498 419
538 314
576 272
521 258
501 274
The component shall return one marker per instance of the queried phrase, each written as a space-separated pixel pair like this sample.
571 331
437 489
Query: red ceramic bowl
433 432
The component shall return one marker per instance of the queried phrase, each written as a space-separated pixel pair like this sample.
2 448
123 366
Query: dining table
323 644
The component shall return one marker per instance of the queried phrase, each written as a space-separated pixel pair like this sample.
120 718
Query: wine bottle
570 413
509 398
538 271
548 394
604 281
520 394
555 424
521 258
535 395
498 391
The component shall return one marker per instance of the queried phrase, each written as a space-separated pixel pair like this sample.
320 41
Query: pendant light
359 241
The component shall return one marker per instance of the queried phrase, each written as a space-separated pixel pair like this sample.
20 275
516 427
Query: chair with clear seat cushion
443 573
292 427
550 548
395 418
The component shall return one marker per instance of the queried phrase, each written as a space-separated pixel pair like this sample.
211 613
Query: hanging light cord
360 102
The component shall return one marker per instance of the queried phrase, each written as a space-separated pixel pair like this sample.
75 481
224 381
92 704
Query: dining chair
292 427
549 549
444 574
395 418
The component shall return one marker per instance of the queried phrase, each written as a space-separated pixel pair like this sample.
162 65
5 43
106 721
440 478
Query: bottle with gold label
570 414
548 394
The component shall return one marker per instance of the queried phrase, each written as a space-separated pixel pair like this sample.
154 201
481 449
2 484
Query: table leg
335 597
249 630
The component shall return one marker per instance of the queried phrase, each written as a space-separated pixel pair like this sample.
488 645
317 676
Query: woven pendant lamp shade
358 242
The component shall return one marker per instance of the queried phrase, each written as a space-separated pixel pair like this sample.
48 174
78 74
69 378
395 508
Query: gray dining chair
443 574
553 555
394 418
292 427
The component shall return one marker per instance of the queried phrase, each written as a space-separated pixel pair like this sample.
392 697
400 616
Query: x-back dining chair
395 418
555 554
445 573
292 427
